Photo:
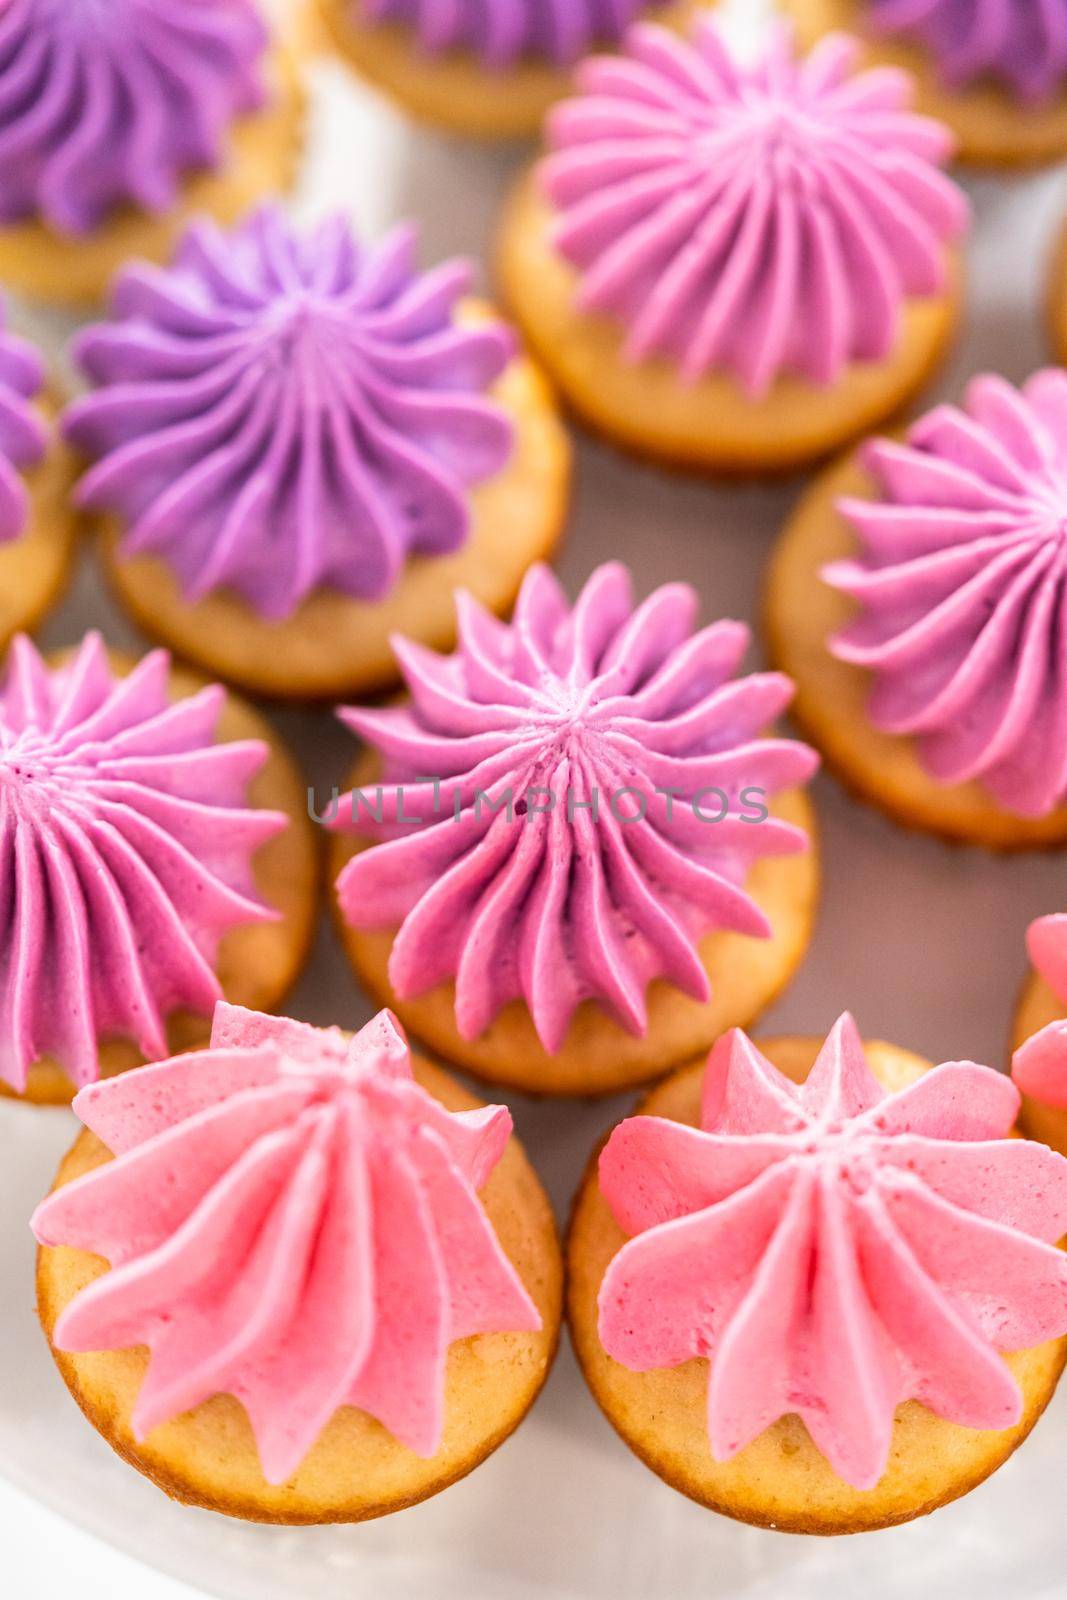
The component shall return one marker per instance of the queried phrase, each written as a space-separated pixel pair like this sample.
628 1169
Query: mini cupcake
335 1282
119 121
1056 302
489 69
37 527
994 70
155 854
1039 1034
302 445
916 598
822 1301
588 857
732 266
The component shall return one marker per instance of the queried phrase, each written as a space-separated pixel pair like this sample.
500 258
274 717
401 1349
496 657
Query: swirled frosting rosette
279 412
758 218
112 102
125 854
503 32
290 1219
834 1250
960 581
569 803
22 435
1021 44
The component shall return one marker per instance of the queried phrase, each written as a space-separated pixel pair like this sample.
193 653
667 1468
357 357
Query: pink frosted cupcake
994 70
301 444
1039 1034
587 855
334 1280
917 599
486 68
155 854
818 1288
120 120
37 525
736 266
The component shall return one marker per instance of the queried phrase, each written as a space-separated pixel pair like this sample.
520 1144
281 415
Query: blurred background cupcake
485 68
120 121
303 444
994 70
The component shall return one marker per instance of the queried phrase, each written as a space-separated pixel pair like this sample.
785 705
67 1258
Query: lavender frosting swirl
125 855
503 32
23 439
637 772
1021 44
962 584
108 102
759 218
279 412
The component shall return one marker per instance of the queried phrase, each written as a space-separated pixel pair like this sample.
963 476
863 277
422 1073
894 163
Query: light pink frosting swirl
292 1220
962 580
589 788
834 1250
126 848
761 218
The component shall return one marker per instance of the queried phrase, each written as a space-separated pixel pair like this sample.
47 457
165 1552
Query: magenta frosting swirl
602 779
290 1219
1021 44
125 855
961 580
503 32
108 102
23 439
758 218
279 411
834 1250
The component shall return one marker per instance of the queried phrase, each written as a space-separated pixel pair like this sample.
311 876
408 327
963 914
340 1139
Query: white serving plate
924 943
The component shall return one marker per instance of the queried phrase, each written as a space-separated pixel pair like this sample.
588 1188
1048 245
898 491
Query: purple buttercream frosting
125 854
760 217
1021 44
279 412
637 772
109 102
503 32
962 583
23 439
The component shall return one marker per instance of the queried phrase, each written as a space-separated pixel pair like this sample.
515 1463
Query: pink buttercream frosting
126 845
1040 1065
588 787
23 439
292 1220
762 217
1020 44
961 578
834 1250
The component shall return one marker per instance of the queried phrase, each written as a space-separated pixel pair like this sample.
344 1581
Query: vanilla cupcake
994 70
818 1289
916 597
587 855
37 524
734 266
485 68
302 444
119 121
155 854
334 1280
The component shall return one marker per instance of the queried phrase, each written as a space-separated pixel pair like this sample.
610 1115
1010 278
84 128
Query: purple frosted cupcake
486 68
300 444
118 121
37 525
994 70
